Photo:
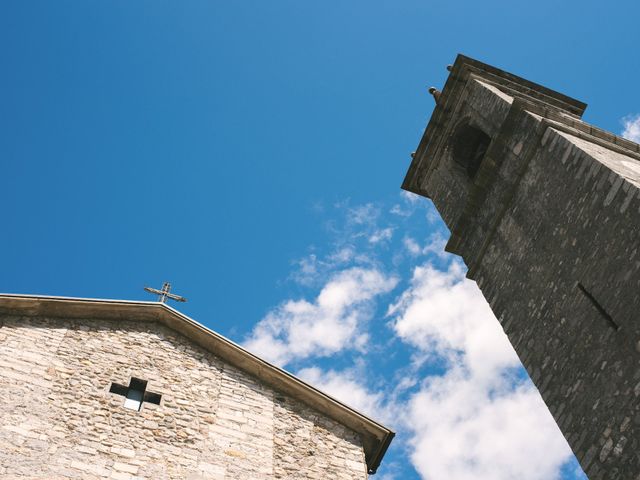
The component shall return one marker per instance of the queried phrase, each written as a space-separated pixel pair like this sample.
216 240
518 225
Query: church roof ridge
375 436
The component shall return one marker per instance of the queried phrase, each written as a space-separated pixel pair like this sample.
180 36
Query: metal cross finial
164 294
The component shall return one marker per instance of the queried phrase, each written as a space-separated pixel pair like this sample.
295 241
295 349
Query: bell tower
544 210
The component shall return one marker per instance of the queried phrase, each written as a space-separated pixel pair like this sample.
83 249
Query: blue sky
251 153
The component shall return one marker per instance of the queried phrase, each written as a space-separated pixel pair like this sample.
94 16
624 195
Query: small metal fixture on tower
435 92
164 294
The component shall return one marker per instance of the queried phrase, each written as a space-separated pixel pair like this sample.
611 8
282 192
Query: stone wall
59 420
561 273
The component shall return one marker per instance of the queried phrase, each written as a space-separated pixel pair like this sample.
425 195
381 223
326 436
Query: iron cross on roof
164 294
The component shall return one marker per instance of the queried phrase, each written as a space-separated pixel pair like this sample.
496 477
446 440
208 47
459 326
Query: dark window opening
135 394
469 147
599 307
152 398
118 389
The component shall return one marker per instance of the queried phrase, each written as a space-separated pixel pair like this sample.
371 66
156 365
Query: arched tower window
469 144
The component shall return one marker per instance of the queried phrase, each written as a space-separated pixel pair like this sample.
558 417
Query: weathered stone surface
58 419
549 228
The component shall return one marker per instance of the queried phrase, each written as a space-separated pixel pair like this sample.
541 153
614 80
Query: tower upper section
486 127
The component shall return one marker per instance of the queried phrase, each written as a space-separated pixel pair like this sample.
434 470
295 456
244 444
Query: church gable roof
375 437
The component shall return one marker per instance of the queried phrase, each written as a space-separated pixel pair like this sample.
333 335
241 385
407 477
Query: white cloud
307 269
300 329
346 386
410 197
476 420
381 235
465 428
363 214
342 256
357 235
444 314
408 204
412 246
631 125
435 245
386 476
311 269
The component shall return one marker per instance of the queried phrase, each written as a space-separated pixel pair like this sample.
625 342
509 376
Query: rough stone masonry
544 210
213 420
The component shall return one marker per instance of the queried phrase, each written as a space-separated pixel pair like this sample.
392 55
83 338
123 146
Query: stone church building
544 209
129 390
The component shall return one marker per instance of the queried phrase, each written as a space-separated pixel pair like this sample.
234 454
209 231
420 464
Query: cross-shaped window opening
135 393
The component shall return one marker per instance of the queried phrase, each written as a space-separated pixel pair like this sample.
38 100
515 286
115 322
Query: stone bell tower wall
549 227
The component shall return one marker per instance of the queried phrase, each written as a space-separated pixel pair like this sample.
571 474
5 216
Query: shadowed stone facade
544 210
214 420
